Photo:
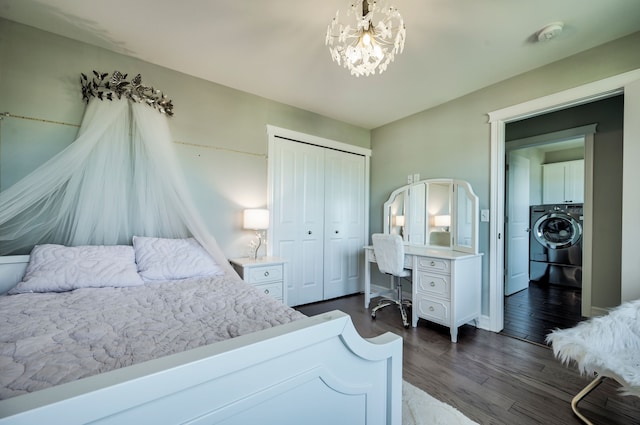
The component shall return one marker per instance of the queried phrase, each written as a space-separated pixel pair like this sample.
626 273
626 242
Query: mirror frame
471 211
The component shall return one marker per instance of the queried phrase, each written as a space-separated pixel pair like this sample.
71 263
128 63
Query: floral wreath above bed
102 87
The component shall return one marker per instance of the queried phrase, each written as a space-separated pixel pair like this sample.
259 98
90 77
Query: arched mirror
438 213
396 209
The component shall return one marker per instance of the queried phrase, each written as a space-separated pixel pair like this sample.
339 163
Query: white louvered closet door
298 218
344 223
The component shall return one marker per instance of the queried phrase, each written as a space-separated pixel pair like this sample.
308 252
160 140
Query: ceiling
275 48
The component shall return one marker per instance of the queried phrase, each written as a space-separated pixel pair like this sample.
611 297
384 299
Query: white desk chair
389 252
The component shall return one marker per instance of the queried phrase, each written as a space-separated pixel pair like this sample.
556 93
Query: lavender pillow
161 259
58 268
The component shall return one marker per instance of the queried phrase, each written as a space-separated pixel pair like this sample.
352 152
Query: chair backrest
389 252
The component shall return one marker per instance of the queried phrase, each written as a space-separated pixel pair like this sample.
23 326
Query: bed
203 349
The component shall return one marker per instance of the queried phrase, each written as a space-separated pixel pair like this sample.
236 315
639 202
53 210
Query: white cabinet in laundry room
563 182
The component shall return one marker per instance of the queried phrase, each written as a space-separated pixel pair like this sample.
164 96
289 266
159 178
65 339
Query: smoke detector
550 31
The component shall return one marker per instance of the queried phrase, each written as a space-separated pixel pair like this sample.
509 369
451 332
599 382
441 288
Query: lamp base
255 255
255 246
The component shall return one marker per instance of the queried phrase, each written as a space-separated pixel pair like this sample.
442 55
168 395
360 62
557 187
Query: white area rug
419 408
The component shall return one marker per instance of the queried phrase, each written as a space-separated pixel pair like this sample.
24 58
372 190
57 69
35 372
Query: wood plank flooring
532 313
491 378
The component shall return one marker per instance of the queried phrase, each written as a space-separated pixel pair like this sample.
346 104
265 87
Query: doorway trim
498 119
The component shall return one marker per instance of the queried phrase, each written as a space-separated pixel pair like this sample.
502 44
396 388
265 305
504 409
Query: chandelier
369 40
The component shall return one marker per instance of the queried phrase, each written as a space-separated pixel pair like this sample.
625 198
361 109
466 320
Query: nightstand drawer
434 284
264 274
267 274
272 289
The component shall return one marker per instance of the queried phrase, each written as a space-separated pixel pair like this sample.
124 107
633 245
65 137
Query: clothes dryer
555 244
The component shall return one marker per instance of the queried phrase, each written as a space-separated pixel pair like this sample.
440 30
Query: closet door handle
337 232
309 232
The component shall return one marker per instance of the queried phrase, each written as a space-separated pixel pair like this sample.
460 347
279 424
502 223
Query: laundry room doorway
574 220
613 176
543 268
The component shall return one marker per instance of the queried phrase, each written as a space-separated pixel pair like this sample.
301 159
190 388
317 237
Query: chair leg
399 301
582 394
403 313
401 304
381 304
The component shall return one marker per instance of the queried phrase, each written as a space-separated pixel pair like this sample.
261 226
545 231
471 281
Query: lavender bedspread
51 338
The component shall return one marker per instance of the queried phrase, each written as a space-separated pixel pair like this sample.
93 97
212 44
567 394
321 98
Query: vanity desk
438 221
445 285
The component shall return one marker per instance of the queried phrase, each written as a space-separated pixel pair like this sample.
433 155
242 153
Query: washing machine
555 244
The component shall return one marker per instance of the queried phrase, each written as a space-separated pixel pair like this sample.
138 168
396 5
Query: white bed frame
317 370
12 268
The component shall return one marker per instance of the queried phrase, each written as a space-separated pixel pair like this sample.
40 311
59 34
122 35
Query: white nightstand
266 273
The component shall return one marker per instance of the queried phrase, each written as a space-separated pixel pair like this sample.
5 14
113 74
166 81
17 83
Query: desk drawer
264 274
434 310
434 264
434 284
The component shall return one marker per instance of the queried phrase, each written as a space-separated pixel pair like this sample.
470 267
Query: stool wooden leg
582 394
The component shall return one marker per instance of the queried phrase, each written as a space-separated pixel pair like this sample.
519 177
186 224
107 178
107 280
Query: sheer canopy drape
118 179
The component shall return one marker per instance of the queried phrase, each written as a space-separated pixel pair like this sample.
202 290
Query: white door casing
627 83
517 271
630 288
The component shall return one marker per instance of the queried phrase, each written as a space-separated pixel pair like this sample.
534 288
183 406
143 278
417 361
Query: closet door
344 223
298 218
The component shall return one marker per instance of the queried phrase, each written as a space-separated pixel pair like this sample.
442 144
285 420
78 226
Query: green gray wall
453 139
220 132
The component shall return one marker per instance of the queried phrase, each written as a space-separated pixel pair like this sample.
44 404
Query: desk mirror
438 213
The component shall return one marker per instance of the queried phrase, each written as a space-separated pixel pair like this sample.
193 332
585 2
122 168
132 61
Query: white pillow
58 268
171 259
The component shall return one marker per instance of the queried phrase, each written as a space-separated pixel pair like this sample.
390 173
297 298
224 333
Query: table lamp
256 219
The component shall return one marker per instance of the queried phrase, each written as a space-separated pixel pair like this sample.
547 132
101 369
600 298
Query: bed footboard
317 370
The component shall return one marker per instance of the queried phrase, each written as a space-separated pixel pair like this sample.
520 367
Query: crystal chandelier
370 40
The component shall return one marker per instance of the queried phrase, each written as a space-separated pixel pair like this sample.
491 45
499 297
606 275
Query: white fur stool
607 346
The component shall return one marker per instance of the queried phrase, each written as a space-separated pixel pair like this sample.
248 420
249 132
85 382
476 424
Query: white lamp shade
399 220
256 219
442 220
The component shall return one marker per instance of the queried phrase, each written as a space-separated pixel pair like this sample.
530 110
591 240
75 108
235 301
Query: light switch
484 215
409 179
416 177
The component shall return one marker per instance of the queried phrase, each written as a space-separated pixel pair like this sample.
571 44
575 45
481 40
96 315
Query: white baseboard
485 323
598 311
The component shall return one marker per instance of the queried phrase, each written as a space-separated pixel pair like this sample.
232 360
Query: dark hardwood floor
534 312
491 378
